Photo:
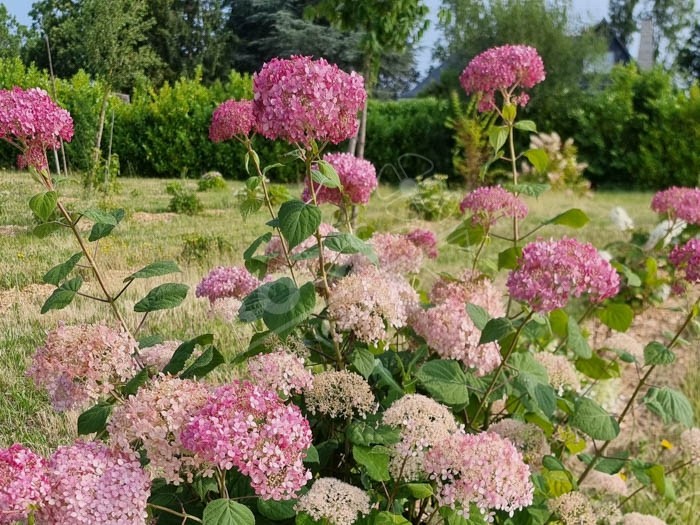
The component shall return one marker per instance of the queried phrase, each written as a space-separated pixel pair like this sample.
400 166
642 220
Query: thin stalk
642 487
175 513
599 452
268 204
514 169
500 368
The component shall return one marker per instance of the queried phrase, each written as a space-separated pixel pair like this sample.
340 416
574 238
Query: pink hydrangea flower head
154 417
300 100
227 281
469 287
678 203
246 426
24 483
489 204
425 240
82 363
396 253
686 259
358 178
369 301
335 502
281 371
30 120
159 355
549 273
230 119
91 483
504 70
484 469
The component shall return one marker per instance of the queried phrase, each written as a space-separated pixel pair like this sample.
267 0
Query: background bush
634 130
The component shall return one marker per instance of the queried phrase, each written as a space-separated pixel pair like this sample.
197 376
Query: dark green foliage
689 55
639 132
408 138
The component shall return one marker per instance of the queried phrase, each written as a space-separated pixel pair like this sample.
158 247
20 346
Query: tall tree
49 23
622 20
188 34
386 27
12 34
689 55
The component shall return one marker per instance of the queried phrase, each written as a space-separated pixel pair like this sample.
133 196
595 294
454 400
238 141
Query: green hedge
634 131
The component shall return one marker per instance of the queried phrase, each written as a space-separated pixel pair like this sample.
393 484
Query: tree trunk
362 132
100 128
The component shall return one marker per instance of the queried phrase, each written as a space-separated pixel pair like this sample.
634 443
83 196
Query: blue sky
586 10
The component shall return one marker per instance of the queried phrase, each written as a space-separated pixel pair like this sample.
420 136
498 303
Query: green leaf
531 189
297 221
155 269
573 218
497 137
538 158
384 378
136 382
347 243
495 330
285 305
617 316
277 510
46 229
479 316
43 204
576 341
312 455
657 354
532 378
387 518
466 234
102 229
670 405
326 175
63 295
559 322
163 297
592 419
610 464
596 367
445 381
184 351
366 434
250 205
526 125
508 258
94 419
205 363
416 490
250 251
59 272
227 512
101 217
363 361
374 459
509 112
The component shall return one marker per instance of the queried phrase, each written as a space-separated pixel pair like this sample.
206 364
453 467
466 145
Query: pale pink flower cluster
249 427
153 418
528 438
605 484
573 508
559 370
369 301
31 121
489 204
635 518
690 444
281 371
686 258
425 240
423 423
24 483
300 100
230 119
158 356
82 363
549 273
340 394
503 69
448 329
227 281
484 469
678 203
358 179
91 483
332 501
396 253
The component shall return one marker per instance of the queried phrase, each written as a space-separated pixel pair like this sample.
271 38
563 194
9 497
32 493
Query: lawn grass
150 233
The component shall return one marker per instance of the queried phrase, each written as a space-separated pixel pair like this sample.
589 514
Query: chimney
645 56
